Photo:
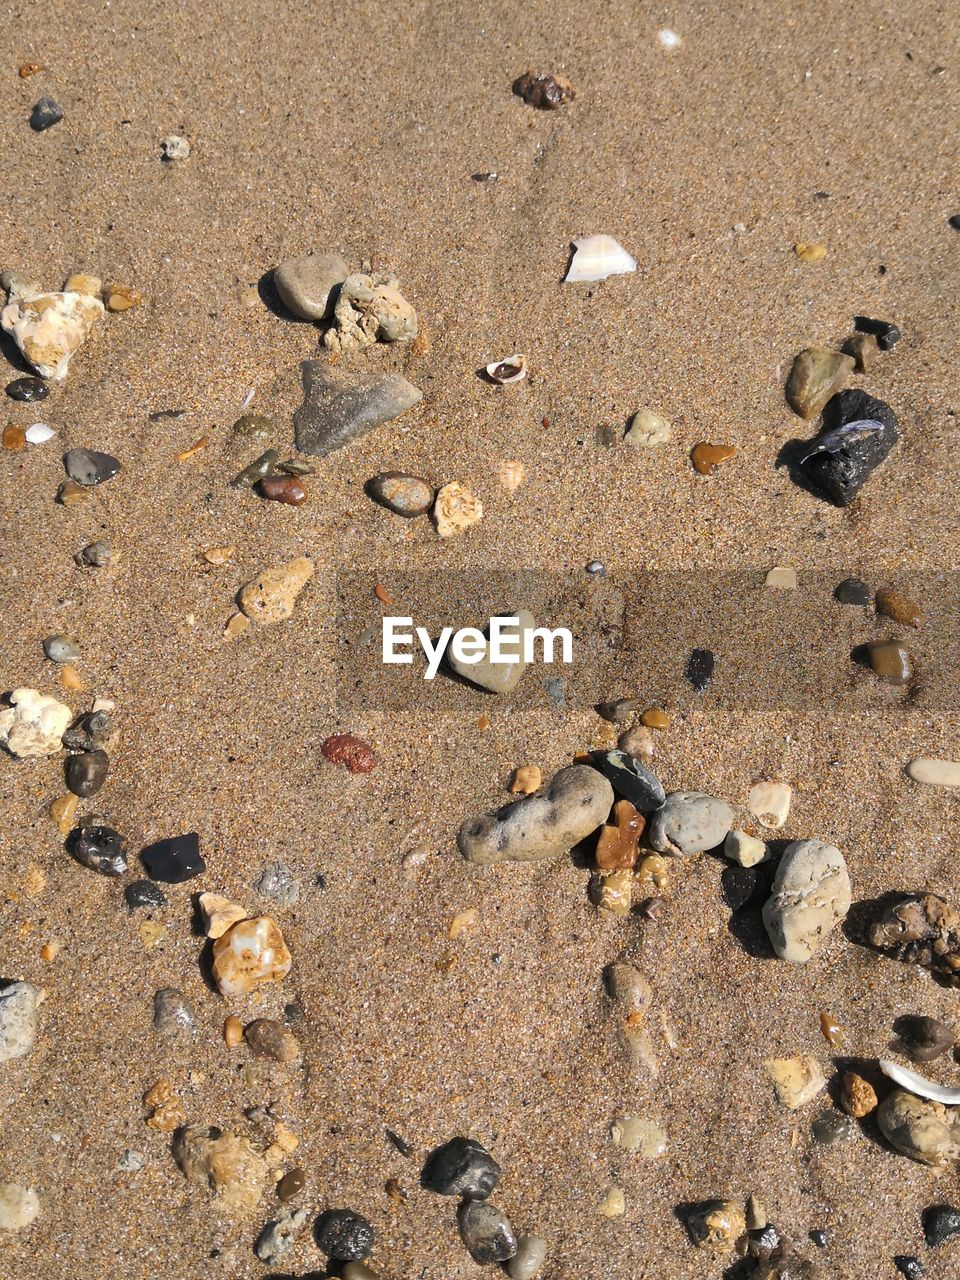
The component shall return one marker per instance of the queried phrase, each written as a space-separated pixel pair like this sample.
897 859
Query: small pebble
935 773
60 649
909 1266
781 578
852 591
86 772
461 1167
277 883
864 349
810 252
94 556
88 731
858 433
707 457
45 114
831 1030
270 1039
744 849
88 467
70 494
940 1223
618 711
355 755
769 803
637 1134
38 433
291 1184
144 895
18 1019
343 1235
277 1237
232 1031
256 470
918 1128
545 92
272 595
455 508
100 848
809 898
13 437
637 742
595 569
796 1081
925 1039
62 811
647 431
526 780
173 1018
819 1238
886 333
175 859
890 661
817 374
309 285
286 489
527 1262
894 604
253 424
857 1096
404 495
717 1225
28 389
486 1232
250 954
689 822
831 1127
19 1206
358 1271
655 718
699 668
120 297
174 147
632 780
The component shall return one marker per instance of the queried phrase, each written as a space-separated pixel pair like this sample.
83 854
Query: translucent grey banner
656 635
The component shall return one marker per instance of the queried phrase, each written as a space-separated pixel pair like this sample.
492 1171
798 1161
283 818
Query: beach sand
358 128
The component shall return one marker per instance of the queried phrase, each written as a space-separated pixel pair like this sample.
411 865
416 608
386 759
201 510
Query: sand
358 128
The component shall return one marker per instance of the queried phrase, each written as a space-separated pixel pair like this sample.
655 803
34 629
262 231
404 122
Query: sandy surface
358 127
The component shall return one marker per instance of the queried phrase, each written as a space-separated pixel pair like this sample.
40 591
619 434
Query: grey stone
309 285
173 1017
527 1262
498 677
276 1237
689 822
174 147
486 1232
811 895
87 772
60 649
340 406
45 114
277 883
89 467
633 780
461 1167
18 1019
404 495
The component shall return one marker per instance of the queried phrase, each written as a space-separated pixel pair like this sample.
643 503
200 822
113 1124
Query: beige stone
250 954
219 914
271 596
797 1081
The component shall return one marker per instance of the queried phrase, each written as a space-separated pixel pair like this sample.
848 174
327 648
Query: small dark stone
95 555
296 467
632 780
286 489
738 885
909 1266
924 1039
461 1167
401 1144
699 668
258 469
158 415
174 860
886 333
88 467
830 1127
343 1235
954 221
29 389
546 93
87 732
173 1017
146 895
852 591
87 772
291 1184
858 433
45 115
99 848
819 1238
292 1013
618 711
486 1232
940 1223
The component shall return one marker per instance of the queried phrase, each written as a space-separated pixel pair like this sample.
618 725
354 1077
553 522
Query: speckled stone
343 1235
689 822
86 772
308 286
144 895
486 1232
89 467
18 1019
173 1016
403 494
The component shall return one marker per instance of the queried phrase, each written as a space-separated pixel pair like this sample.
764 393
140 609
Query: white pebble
19 1206
936 773
782 578
770 803
39 433
745 850
669 39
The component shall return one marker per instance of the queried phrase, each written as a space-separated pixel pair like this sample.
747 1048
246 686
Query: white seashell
669 39
248 398
597 257
509 369
49 327
919 1085
39 433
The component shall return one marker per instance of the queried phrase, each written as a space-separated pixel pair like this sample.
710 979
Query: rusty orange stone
707 457
14 437
655 718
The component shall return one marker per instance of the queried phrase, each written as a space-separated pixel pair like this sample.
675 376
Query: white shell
597 257
516 362
39 433
919 1085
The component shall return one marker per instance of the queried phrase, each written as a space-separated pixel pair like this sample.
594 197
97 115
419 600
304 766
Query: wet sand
360 130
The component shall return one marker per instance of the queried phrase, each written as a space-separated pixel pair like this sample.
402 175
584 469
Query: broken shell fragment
49 328
250 954
596 257
918 1084
510 369
339 407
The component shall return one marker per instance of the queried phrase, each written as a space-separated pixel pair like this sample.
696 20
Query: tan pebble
50 951
219 914
232 1031
769 803
270 597
935 773
781 578
613 1204
526 780
462 921
456 509
816 374
756 1214
717 1225
223 1165
707 457
797 1081
863 347
831 1030
483 722
890 661
637 1134
652 869
13 437
614 891
512 475
62 811
237 624
857 1096
81 283
809 252
70 493
383 595
637 742
120 297
894 604
655 718
28 69
249 954
35 881
268 1038
219 555
285 1139
160 1091
152 935
70 678
420 344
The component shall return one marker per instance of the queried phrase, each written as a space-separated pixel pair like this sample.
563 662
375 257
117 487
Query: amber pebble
707 457
119 297
192 450
897 606
655 718
232 1031
890 661
383 595
526 780
831 1029
810 252
283 488
70 493
291 1184
857 1096
62 810
14 437
617 844
28 69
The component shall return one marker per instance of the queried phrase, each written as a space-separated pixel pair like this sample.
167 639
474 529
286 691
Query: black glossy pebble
175 859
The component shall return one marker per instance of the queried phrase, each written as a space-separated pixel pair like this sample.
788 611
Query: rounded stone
717 1225
923 1130
286 489
527 1262
18 1019
940 1223
100 848
344 1235
175 859
291 1184
89 467
270 1039
87 772
173 1017
744 849
647 431
27 389
60 649
909 1266
404 495
144 895
45 114
925 1039
253 424
486 1232
174 147
95 555
830 1127
19 1206
309 285
461 1167
633 780
689 822
277 883
810 896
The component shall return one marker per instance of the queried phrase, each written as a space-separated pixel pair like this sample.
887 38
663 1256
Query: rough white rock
811 895
744 849
18 1019
33 724
769 803
19 1206
49 328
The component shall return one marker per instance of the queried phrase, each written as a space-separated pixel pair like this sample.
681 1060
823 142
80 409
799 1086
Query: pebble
13 437
343 1235
575 802
526 780
858 433
810 252
923 1130
781 578
257 470
857 1096
221 1163
95 555
461 1167
87 772
852 591
637 742
613 890
618 711
511 475
810 896
613 1204
819 1238
935 773
355 755
18 1019
544 92
100 848
864 349
769 803
27 389
48 328
689 822
636 1134
45 114
89 467
173 1017
253 424
886 333
404 495
617 841
174 860
60 649
88 732
890 661
174 147
744 849
630 999
633 780
71 494
271 596
655 718
19 1206
369 309
925 1039
707 457
33 724
486 1232
357 1271
699 668
817 374
270 1039
144 895
499 677
797 1081
909 1266
308 285
831 1127
923 928
250 954
286 489
340 406
120 297
716 1225
527 1262
455 508
276 1237
894 604
277 883
291 1184
940 1223
595 568
647 430
62 811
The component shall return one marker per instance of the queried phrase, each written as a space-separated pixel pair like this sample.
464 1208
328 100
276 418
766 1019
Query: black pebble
144 893
699 669
909 1266
27 389
90 467
461 1167
738 885
819 1238
174 860
839 461
852 591
886 333
343 1235
940 1223
632 780
87 772
954 221
45 115
925 1039
99 848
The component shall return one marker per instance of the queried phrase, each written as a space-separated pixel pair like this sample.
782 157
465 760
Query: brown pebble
291 1184
120 297
287 489
893 604
890 661
192 450
70 493
28 69
270 1039
707 457
354 754
617 844
857 1096
863 347
14 437
636 742
831 1029
526 779
232 1031
383 595
219 555
655 718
